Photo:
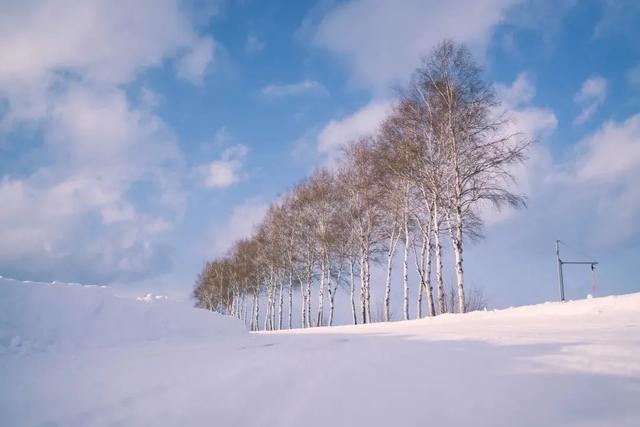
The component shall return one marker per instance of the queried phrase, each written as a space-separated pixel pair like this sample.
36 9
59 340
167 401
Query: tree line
418 185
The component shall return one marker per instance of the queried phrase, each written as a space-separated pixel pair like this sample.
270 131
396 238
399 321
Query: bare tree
359 173
392 226
477 153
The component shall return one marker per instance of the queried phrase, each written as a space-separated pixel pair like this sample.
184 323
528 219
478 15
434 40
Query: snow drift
58 316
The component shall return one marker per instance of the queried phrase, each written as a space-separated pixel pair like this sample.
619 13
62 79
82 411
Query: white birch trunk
352 290
256 312
303 305
393 240
405 266
272 307
319 317
331 307
281 302
274 301
457 254
244 309
332 294
419 259
438 248
457 240
268 318
363 290
308 301
238 304
267 314
290 312
427 280
367 287
455 233
419 299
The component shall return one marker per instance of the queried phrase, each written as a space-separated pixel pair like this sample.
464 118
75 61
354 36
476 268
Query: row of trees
438 160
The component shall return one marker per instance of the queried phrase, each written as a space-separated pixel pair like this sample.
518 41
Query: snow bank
59 316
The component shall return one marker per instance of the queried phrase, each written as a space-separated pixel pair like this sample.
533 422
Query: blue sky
139 139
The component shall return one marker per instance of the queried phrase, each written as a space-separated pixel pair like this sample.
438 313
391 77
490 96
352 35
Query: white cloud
77 212
592 195
225 171
607 169
109 185
366 120
305 87
520 92
240 224
220 174
390 38
612 152
531 121
534 122
193 65
45 43
591 95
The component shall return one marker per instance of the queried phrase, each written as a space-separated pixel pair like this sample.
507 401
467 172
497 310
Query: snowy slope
573 364
55 316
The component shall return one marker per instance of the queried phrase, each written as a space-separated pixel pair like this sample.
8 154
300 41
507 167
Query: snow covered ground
74 355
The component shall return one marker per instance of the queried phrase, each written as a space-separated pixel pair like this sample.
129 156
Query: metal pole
560 281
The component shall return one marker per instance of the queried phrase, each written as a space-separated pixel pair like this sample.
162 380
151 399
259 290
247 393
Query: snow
80 356
45 317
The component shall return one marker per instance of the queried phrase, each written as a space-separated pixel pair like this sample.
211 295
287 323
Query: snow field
88 358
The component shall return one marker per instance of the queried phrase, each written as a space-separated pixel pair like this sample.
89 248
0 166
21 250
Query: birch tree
471 135
359 173
439 158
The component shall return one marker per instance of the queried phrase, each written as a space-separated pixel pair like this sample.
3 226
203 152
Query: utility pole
561 263
560 279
